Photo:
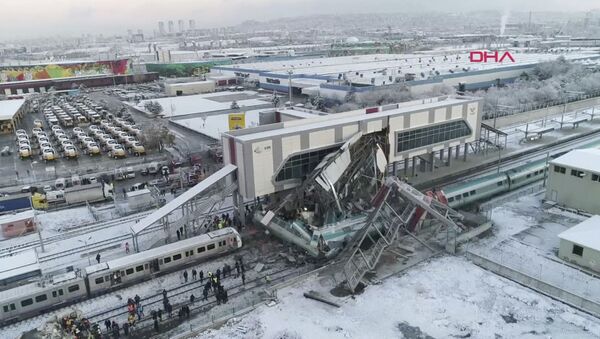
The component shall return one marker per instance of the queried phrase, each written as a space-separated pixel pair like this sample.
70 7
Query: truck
15 202
74 195
89 193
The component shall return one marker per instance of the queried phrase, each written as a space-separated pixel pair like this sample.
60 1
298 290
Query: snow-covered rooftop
18 264
205 103
8 108
583 159
364 68
586 233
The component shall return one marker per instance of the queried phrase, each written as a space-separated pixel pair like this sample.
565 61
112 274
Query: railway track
85 228
144 327
511 160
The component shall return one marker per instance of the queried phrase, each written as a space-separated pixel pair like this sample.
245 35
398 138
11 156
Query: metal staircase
395 204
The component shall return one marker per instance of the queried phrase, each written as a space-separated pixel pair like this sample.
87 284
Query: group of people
79 328
135 308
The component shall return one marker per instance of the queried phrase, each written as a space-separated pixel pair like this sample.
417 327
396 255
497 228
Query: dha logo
485 56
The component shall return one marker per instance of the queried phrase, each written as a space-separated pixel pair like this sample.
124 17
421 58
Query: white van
60 184
130 173
75 180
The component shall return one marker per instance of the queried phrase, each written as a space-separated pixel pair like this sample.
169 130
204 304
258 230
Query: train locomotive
61 290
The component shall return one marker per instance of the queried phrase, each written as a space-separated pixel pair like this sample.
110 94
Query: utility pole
290 72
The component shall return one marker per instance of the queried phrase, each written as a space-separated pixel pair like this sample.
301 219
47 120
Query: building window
559 169
297 166
578 250
40 298
431 135
577 173
595 177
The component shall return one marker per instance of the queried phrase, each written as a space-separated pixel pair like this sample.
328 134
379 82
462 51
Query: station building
278 156
574 180
580 244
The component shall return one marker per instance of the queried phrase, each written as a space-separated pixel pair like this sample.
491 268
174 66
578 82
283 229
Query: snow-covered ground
525 239
447 297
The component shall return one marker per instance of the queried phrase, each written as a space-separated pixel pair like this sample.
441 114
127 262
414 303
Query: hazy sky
33 18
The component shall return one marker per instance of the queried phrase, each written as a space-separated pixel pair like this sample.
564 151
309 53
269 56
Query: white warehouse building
580 244
574 180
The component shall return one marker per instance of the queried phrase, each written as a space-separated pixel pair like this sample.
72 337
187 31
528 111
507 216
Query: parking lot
32 169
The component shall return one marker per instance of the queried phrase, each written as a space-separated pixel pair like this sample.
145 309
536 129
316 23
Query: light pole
33 170
290 72
85 242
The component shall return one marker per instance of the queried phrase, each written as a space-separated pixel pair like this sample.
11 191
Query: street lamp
85 242
290 72
33 170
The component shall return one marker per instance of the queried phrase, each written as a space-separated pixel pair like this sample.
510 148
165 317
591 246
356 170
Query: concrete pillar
239 209
406 163
394 168
414 166
431 161
442 155
465 153
449 162
457 151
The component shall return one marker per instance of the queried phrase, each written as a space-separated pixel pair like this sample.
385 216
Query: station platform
488 154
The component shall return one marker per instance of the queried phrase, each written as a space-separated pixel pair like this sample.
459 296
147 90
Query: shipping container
15 202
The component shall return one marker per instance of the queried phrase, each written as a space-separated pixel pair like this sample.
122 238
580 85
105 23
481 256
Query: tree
234 105
318 102
275 100
156 135
153 107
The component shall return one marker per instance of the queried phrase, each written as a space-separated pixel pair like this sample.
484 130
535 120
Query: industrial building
580 244
11 112
574 178
336 77
187 88
409 134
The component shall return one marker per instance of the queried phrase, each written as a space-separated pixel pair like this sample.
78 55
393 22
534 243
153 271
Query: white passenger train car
140 266
29 300
33 299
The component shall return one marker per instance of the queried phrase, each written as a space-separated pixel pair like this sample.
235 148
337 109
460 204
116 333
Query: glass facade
299 165
422 137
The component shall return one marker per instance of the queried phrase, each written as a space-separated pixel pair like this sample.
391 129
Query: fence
572 289
540 111
543 105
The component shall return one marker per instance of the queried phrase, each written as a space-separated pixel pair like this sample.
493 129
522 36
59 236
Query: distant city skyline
38 18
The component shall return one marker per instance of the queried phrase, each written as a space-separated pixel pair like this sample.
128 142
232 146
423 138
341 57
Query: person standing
98 257
126 247
185 276
194 274
201 275
243 279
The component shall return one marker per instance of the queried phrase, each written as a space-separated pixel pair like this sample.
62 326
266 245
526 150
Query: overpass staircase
394 205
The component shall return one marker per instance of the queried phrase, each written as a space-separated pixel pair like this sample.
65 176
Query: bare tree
156 135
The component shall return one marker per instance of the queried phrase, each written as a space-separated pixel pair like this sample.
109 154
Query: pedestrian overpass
189 211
